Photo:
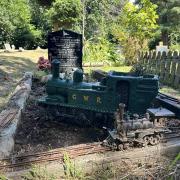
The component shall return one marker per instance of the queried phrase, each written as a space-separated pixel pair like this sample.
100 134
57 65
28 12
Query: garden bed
38 133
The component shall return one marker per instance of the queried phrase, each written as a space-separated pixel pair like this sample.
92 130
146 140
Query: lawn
170 91
12 67
109 68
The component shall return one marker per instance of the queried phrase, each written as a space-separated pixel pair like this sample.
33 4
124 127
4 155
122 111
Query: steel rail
171 103
58 154
55 155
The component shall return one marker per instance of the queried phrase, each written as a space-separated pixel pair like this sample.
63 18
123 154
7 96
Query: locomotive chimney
121 110
55 68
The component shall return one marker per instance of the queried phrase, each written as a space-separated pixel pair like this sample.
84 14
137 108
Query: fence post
154 60
173 68
145 60
177 74
163 66
150 62
158 63
168 68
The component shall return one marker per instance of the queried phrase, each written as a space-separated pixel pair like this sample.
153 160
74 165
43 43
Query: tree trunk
165 38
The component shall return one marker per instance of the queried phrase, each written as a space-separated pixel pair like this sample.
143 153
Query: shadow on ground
11 71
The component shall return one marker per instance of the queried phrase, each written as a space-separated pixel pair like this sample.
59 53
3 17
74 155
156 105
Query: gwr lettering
86 98
74 96
98 100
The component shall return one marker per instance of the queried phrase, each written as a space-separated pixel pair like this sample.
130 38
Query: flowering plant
43 64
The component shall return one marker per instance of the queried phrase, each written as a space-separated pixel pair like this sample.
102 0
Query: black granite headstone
66 46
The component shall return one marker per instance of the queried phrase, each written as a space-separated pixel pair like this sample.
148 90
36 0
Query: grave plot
36 132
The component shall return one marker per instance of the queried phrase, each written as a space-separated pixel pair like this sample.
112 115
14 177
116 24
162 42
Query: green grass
12 67
109 68
170 91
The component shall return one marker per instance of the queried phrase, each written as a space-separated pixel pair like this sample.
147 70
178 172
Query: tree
65 13
99 15
13 14
39 21
169 18
135 25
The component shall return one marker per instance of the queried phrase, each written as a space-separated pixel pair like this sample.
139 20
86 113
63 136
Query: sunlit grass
12 67
170 91
109 68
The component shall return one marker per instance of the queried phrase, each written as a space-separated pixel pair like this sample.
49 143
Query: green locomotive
94 102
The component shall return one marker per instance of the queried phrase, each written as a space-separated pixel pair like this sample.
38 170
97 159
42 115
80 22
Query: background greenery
113 30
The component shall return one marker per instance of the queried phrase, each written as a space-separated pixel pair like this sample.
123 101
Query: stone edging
10 117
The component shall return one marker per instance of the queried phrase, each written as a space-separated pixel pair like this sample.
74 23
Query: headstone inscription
66 46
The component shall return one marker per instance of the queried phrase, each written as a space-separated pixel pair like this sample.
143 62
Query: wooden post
173 67
153 59
168 68
150 62
177 74
146 62
158 63
163 66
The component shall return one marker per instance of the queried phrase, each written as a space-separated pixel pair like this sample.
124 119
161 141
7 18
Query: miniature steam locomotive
90 103
135 130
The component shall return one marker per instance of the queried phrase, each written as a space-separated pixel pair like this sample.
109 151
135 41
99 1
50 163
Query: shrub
102 51
43 64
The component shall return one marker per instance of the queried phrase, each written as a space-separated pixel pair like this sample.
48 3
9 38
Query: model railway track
170 103
53 155
58 154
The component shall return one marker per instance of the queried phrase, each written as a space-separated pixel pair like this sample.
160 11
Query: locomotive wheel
125 146
114 147
153 140
146 140
158 138
120 147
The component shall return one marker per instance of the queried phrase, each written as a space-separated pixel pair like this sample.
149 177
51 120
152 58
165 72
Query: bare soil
37 133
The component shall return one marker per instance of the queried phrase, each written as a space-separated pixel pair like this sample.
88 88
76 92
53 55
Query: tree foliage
99 18
135 25
65 13
111 28
14 14
21 25
99 15
169 18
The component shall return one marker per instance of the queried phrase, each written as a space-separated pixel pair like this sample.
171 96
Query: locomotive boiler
89 103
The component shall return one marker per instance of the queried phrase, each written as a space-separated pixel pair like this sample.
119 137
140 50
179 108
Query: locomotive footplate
160 112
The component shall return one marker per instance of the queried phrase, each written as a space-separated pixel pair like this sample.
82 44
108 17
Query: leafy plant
101 51
2 177
70 169
177 158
